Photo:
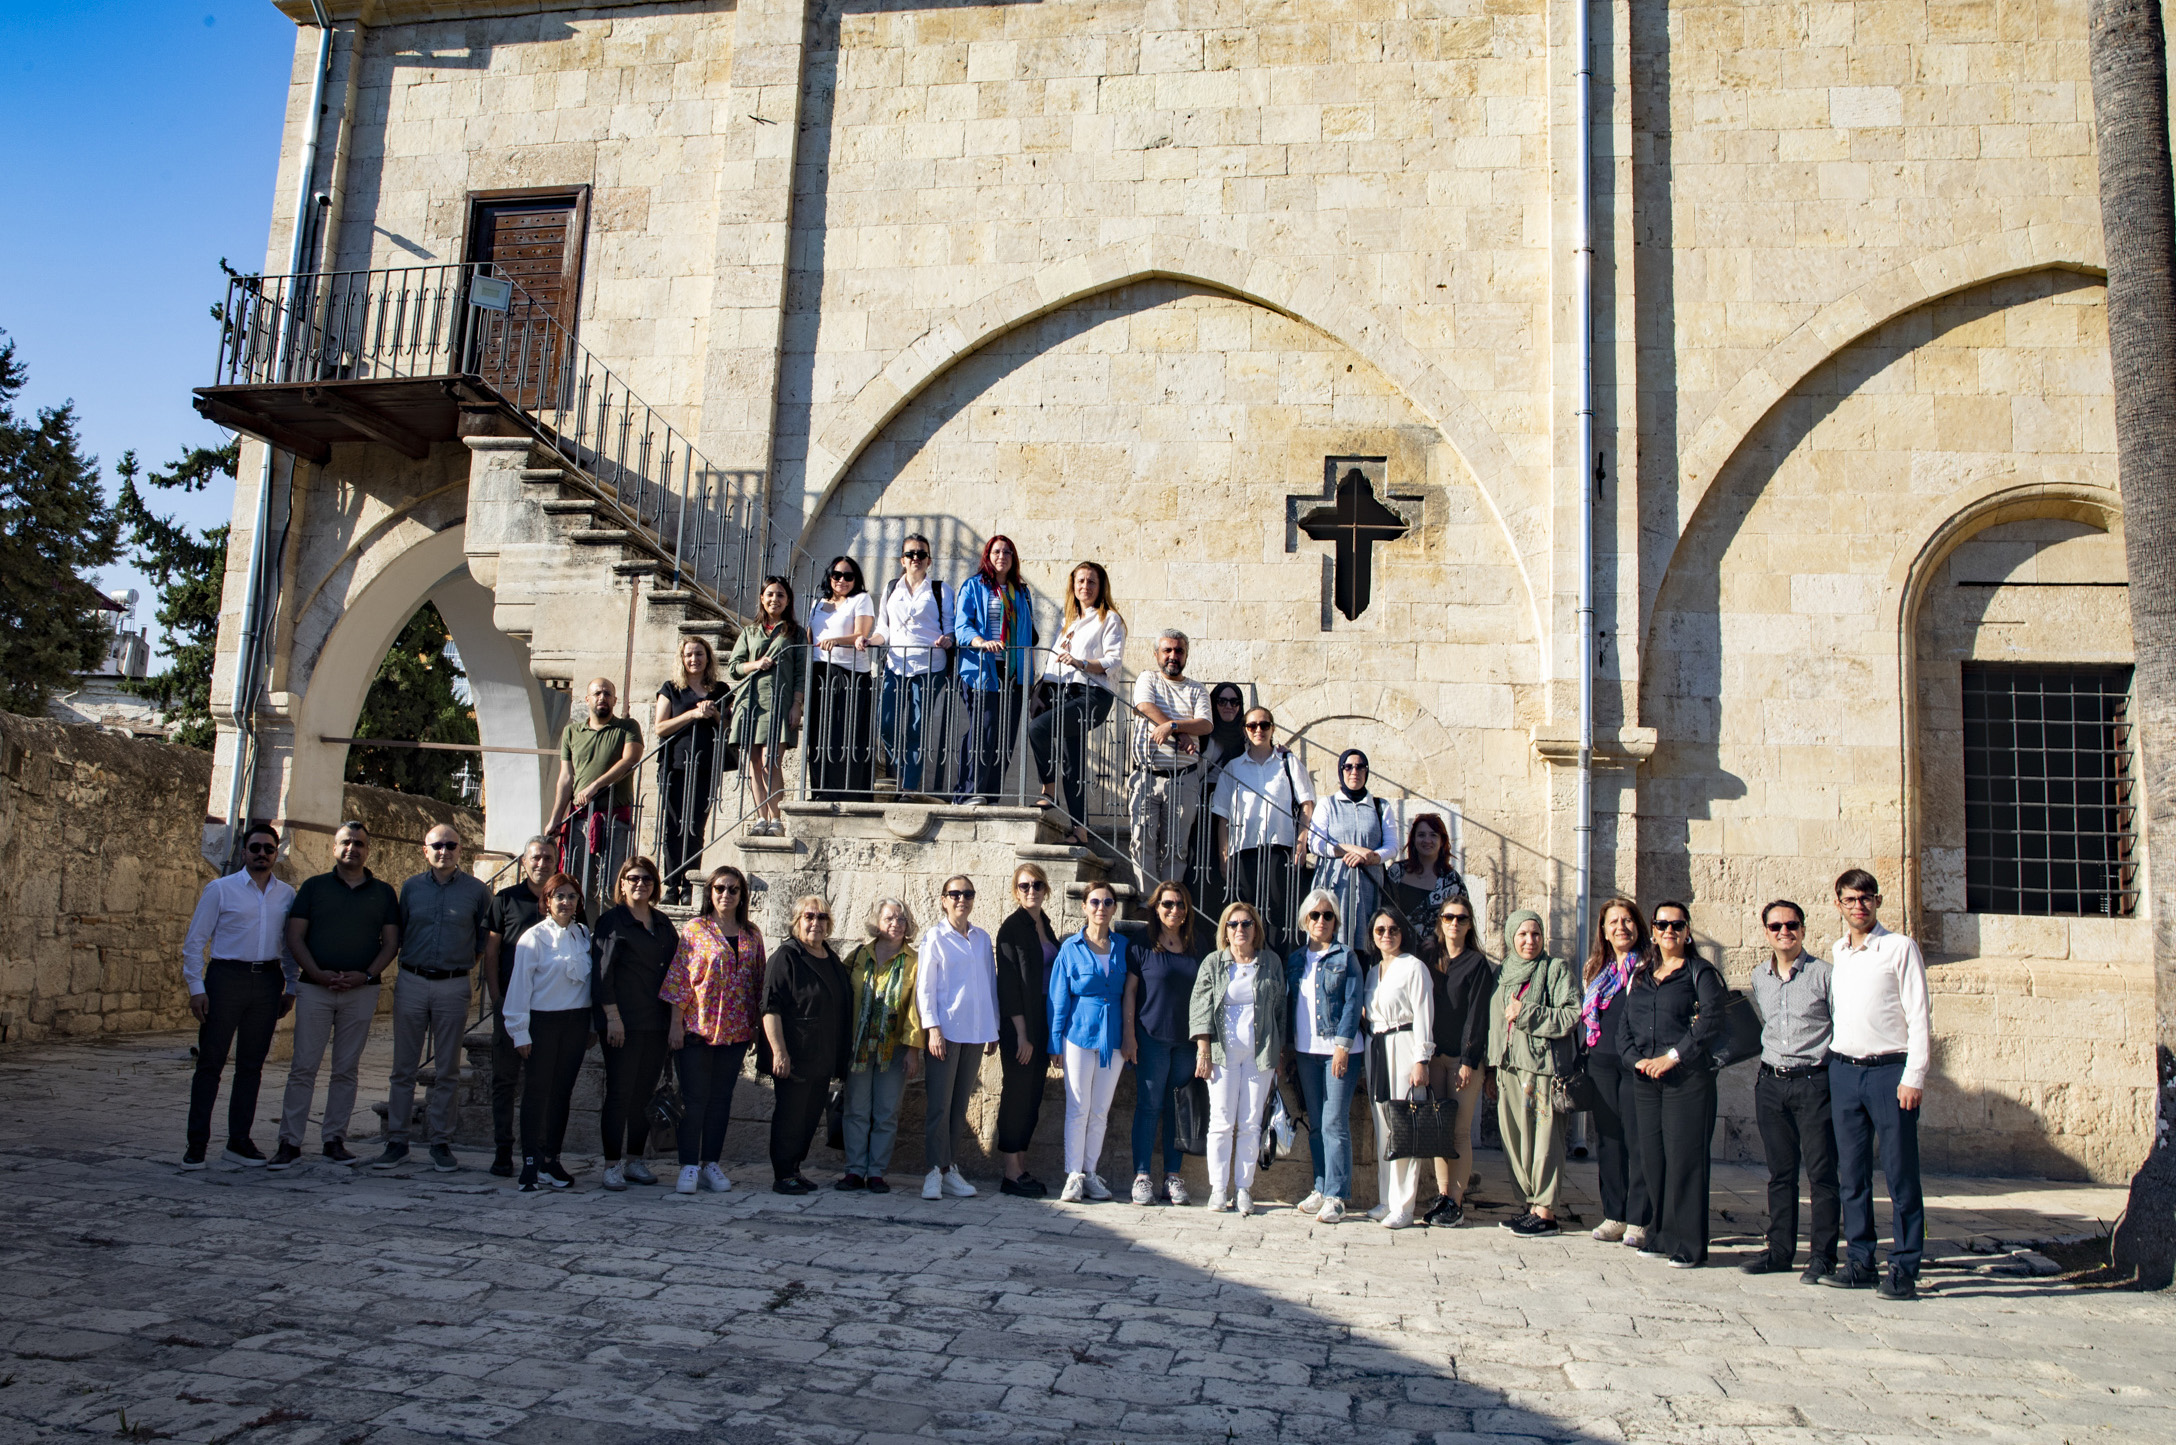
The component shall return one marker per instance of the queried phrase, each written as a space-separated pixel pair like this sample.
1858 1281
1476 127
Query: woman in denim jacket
1323 988
1087 1029
994 625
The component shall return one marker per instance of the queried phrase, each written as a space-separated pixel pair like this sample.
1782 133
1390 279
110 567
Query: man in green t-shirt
343 930
597 757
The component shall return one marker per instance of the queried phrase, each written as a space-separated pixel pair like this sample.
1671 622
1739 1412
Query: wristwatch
1672 1056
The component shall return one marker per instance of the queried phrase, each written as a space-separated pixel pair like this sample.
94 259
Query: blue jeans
1329 1120
907 706
1156 1075
1867 1116
871 1124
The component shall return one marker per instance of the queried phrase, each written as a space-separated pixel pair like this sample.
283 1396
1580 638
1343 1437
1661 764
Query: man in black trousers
1790 1096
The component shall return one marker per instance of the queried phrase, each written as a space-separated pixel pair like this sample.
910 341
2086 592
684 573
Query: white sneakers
1400 1220
1312 1204
933 1184
1175 1190
1635 1237
615 1176
1097 1189
1244 1205
1218 1204
1379 1213
691 1178
714 1179
1076 1189
1609 1231
1333 1212
956 1185
1144 1193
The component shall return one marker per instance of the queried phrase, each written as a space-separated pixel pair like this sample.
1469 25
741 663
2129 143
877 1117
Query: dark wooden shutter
535 239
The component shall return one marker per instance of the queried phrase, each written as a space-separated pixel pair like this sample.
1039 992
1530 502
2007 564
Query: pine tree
413 697
187 569
55 527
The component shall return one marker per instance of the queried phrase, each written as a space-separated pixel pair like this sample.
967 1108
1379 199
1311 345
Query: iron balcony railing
468 323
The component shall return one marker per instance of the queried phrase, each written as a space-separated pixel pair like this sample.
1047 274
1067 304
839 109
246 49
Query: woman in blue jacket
1087 985
1323 991
994 625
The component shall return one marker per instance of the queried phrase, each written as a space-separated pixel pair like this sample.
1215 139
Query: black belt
1801 1072
1872 1061
254 965
1393 1029
1175 772
434 975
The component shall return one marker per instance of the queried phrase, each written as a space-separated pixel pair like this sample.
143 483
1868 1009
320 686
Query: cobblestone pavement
139 1302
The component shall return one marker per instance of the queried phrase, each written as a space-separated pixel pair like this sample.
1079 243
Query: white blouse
831 624
551 973
1096 636
1401 992
955 983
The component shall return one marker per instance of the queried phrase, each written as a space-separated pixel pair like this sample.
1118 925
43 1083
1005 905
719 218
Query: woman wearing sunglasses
1238 1022
1323 987
1027 946
715 986
808 1037
1087 987
1159 993
1463 978
842 736
547 1011
955 990
1674 1010
635 945
1400 1015
1621 943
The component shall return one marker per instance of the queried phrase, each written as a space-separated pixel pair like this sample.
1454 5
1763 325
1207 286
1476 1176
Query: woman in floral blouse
716 979
887 1045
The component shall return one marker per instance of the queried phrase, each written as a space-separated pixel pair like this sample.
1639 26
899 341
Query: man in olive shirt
343 931
597 754
515 909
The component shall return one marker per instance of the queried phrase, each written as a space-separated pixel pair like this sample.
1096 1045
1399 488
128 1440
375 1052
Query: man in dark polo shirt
514 910
343 932
597 754
441 936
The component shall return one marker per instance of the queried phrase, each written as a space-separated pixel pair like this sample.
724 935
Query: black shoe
1764 1264
529 1183
1897 1285
442 1159
794 1185
556 1175
1027 1186
1445 1213
1534 1227
1850 1277
1817 1271
394 1156
337 1152
848 1183
1516 1226
502 1163
244 1153
877 1185
193 1157
284 1156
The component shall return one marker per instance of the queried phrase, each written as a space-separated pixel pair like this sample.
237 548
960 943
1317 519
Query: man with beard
1171 716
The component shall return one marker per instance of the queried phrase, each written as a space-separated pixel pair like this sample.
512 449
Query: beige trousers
1533 1138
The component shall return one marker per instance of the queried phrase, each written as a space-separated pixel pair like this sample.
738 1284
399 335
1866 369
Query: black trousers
506 1072
243 1010
1624 1182
1264 878
557 1040
1059 739
630 1081
1020 1097
1675 1118
684 796
841 739
1795 1129
797 1108
993 721
708 1073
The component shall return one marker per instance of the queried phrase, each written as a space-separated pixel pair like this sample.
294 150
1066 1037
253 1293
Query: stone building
1139 281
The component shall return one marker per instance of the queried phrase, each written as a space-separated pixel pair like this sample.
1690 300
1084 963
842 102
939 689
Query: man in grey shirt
444 914
1790 1097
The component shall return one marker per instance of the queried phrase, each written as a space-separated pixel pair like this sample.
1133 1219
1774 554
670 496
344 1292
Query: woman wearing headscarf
808 1037
994 625
1463 979
1532 1019
1673 1010
1419 884
887 1045
1227 739
1400 1015
1352 833
1621 943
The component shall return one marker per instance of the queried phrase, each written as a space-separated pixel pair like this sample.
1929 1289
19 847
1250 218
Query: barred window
2049 815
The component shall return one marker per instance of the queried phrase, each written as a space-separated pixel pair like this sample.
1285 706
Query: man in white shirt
1264 804
1882 1027
1171 716
915 627
241 984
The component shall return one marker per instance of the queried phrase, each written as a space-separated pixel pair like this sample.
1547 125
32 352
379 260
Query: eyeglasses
1672 925
1029 885
910 556
815 918
1796 925
1261 727
1322 915
959 894
1101 903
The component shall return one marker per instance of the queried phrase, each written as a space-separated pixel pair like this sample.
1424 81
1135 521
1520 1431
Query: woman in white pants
1238 1024
1400 1015
1087 1029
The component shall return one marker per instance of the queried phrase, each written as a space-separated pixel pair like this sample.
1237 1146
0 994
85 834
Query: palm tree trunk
2128 53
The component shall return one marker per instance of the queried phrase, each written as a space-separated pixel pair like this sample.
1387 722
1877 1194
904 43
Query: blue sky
141 145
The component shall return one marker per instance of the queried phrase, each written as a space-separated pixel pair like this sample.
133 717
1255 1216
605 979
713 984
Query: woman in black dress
634 943
686 719
808 1037
1026 946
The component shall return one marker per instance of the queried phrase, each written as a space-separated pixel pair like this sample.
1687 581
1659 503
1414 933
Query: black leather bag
666 1106
835 1118
1426 1128
1739 1040
1575 1092
1190 1116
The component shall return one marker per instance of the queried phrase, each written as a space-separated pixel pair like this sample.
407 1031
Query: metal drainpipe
1583 306
241 787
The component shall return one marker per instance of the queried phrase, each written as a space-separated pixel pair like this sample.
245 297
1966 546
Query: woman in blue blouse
1087 983
1159 991
994 625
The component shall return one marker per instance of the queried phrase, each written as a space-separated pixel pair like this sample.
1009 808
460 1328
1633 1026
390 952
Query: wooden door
533 238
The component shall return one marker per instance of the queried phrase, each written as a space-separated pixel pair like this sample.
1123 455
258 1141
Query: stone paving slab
336 1306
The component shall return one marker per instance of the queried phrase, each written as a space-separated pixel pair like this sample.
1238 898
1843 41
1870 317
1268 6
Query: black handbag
835 1118
666 1107
1740 1036
1426 1128
1575 1092
1190 1116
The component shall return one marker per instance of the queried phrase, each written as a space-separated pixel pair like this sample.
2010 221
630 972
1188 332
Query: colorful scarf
1607 983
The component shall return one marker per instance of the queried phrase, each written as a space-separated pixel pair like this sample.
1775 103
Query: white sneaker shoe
1379 1213
1176 1191
1609 1231
1244 1205
1313 1203
1097 1189
691 1179
1400 1220
615 1176
714 1179
1218 1204
1144 1193
933 1184
1635 1237
956 1185
1076 1188
1333 1212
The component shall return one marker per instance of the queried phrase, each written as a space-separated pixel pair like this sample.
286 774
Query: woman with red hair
994 627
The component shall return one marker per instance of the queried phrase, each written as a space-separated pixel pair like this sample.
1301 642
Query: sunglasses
1387 930
1322 915
1458 918
441 847
842 576
1795 926
725 888
1164 903
1102 903
1240 923
959 894
1672 925
641 878
910 556
1031 886
1354 768
266 849
1259 727
815 918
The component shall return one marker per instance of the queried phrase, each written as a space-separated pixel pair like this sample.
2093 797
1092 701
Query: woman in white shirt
915 627
547 1015
1084 673
1400 1015
842 738
955 989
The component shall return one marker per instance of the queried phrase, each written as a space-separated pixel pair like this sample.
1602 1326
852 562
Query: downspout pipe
1583 312
256 603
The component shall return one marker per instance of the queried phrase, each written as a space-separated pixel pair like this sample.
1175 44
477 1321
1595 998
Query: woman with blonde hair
808 1036
1084 669
1237 1019
1324 984
887 1049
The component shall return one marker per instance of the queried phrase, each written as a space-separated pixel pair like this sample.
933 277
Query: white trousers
1089 1087
1238 1092
1396 1180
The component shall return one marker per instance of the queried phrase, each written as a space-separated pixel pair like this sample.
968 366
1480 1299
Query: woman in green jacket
1530 1045
765 672
1237 1019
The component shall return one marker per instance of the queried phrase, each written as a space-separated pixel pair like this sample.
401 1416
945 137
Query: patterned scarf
1605 987
880 1001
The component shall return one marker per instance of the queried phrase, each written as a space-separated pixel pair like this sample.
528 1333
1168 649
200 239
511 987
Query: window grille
2049 811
